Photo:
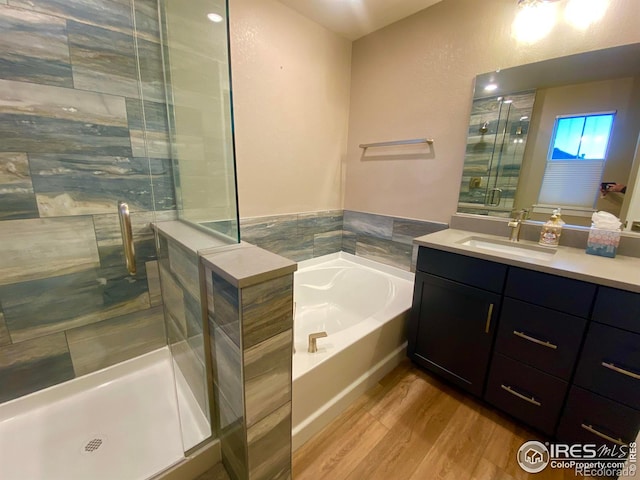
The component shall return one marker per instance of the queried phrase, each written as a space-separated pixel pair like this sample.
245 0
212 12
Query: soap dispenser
551 231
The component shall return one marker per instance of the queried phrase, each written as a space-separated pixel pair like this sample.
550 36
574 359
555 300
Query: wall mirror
547 134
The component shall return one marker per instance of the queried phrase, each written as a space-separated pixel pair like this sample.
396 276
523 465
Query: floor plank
413 426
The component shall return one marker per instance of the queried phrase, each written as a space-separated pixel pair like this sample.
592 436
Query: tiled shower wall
72 143
308 235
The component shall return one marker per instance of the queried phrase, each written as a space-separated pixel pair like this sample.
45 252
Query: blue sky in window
585 137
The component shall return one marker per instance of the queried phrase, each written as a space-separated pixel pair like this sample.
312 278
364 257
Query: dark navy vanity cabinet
558 354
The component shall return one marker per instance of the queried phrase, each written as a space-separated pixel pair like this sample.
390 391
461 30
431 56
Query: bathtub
362 305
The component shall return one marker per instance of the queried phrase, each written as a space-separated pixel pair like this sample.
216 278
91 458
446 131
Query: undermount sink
525 250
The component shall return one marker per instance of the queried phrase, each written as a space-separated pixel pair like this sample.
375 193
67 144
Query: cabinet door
451 330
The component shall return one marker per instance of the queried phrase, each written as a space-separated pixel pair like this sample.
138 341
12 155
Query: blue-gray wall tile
277 227
5 339
233 447
269 446
33 48
404 230
17 199
228 376
116 14
173 298
226 302
153 283
103 60
319 222
64 245
68 184
184 265
349 242
384 251
147 21
112 341
151 71
378 226
30 366
267 376
46 119
267 309
39 307
326 243
145 114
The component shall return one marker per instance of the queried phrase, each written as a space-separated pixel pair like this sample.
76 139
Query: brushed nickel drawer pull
611 366
535 340
589 428
531 400
487 326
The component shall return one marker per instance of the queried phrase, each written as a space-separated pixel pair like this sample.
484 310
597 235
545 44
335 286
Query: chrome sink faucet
514 225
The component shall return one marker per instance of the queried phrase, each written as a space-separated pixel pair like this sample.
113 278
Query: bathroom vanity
551 337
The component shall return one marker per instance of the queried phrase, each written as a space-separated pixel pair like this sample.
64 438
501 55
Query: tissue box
603 242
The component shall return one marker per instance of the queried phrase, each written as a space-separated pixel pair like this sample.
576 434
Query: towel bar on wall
397 142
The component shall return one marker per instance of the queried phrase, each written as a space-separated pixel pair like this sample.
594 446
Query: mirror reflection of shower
495 147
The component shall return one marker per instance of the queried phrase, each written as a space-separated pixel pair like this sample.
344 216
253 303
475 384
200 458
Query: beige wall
291 80
589 97
414 79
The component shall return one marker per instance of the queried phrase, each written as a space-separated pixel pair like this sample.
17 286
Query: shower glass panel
196 56
86 378
496 142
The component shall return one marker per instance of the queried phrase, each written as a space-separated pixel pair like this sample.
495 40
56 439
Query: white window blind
571 182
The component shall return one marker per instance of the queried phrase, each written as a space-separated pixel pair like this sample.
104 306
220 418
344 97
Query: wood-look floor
412 426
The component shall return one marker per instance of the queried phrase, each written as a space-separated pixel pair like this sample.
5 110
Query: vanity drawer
460 268
559 293
526 393
540 337
590 418
618 308
610 364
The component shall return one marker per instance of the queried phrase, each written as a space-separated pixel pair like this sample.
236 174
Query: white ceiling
355 18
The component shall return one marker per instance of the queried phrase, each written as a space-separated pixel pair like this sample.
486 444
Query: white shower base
118 423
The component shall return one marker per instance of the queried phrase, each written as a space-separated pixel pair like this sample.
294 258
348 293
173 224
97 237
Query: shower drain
93 444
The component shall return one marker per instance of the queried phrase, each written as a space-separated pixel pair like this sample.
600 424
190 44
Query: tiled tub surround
308 235
362 305
250 323
72 123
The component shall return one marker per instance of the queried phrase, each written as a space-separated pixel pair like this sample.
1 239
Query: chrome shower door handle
127 237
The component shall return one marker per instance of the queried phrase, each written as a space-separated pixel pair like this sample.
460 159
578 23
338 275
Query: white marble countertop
619 272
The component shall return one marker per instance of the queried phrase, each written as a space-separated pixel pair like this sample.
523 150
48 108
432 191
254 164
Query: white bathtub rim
361 261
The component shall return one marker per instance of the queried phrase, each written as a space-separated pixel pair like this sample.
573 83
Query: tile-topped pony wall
78 132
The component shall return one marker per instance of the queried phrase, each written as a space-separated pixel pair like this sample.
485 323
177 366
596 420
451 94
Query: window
576 160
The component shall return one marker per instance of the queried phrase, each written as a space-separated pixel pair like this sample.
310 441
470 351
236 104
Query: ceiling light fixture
582 13
490 87
534 20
